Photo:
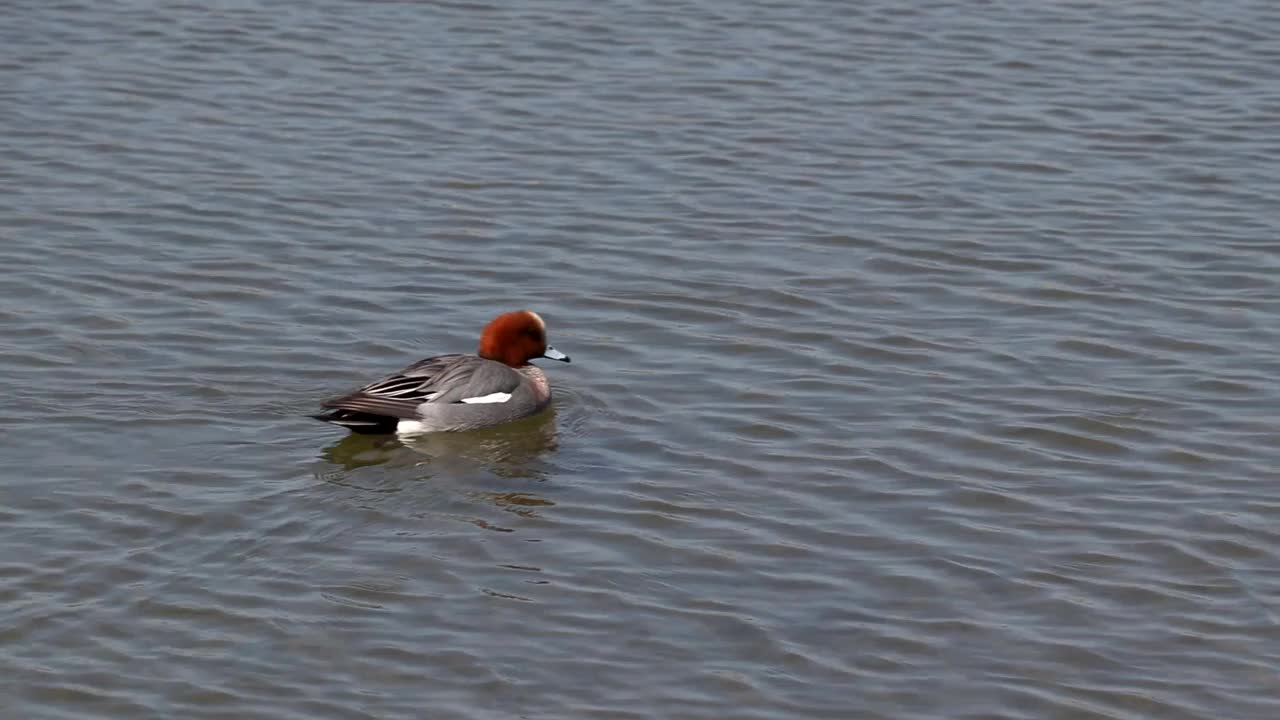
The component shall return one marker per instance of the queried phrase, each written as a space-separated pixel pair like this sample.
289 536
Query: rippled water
924 359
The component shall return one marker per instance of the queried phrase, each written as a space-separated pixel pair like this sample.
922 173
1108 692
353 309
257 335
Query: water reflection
493 467
513 450
521 503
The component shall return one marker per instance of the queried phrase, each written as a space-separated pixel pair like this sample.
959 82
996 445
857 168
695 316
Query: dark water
925 359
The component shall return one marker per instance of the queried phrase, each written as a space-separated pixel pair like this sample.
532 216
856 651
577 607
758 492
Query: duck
456 392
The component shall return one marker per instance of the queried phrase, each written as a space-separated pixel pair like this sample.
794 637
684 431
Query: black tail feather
359 422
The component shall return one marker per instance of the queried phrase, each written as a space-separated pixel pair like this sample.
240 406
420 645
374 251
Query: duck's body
448 393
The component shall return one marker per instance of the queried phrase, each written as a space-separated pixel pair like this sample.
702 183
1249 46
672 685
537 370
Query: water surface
924 359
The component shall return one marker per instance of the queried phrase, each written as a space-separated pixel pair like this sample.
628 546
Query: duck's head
515 338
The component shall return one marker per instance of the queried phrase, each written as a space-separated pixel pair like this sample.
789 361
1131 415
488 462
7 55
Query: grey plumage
432 391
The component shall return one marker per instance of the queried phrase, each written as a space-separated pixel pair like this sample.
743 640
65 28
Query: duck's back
440 394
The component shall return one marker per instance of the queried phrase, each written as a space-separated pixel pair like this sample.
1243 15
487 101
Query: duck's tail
359 422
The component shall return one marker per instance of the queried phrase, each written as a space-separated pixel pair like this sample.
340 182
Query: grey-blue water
924 359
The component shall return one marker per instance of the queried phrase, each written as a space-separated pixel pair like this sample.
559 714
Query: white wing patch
498 397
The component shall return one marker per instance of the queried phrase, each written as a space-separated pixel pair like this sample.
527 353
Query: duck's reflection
357 451
514 450
514 454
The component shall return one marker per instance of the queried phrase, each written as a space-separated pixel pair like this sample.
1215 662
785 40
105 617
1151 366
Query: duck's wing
436 380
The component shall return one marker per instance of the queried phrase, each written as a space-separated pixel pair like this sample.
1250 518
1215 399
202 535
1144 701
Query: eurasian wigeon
447 393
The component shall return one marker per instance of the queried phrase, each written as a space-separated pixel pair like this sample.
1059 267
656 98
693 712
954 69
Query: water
924 359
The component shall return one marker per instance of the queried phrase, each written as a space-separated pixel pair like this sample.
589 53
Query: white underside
497 397
408 427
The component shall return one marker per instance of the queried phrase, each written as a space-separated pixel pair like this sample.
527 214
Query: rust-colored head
515 338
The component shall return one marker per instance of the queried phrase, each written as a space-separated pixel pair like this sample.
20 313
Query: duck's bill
554 354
